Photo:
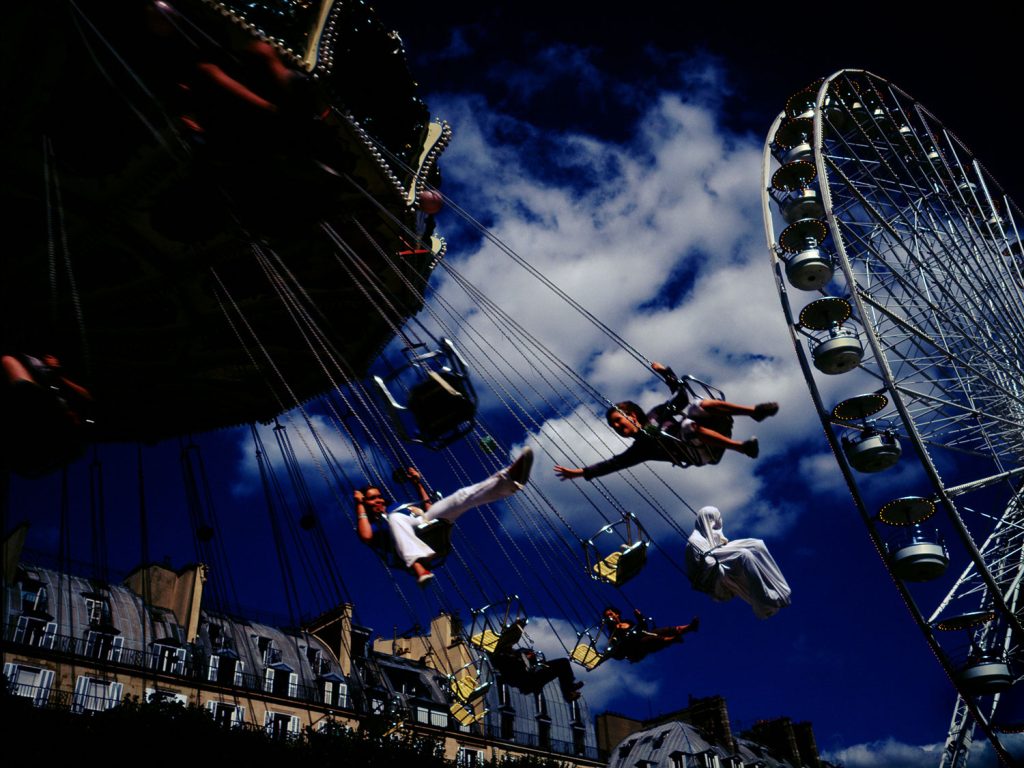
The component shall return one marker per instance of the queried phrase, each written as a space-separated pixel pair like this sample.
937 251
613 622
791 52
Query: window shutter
214 666
293 684
239 668
43 692
114 694
267 720
268 680
239 715
49 635
115 648
212 706
81 689
293 725
11 673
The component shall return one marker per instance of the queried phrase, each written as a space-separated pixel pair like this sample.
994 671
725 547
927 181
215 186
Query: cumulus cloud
661 238
890 753
310 457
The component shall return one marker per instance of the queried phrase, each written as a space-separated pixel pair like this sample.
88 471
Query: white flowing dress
740 568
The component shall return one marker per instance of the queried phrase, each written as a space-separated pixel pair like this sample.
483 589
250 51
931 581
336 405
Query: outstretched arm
568 473
637 453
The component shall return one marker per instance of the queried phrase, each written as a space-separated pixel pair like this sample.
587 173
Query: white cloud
890 753
308 455
887 753
664 244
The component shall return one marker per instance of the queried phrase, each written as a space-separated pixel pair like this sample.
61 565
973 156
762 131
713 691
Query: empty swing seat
587 656
467 687
464 714
439 404
622 564
485 641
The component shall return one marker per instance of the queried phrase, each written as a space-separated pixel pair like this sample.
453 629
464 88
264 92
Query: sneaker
519 470
750 448
572 696
424 578
763 410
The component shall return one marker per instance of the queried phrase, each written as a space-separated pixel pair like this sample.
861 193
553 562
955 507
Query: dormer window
225 668
97 610
317 662
541 703
281 680
35 631
169 658
104 646
33 596
270 654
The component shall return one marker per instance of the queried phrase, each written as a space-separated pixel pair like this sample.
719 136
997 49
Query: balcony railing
195 667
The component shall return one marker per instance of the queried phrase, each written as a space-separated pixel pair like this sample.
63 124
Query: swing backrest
622 564
442 408
441 403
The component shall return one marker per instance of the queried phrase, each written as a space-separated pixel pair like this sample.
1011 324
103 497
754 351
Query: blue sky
621 157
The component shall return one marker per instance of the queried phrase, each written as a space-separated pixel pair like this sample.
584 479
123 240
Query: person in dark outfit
632 640
43 412
661 436
527 671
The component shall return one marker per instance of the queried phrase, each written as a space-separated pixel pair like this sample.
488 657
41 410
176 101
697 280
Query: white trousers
408 546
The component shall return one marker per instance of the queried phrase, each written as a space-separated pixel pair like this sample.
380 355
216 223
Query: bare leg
14 370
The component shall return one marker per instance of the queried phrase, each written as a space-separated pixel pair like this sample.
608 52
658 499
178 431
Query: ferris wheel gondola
925 306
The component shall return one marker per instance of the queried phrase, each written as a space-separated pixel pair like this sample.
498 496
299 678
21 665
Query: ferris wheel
898 260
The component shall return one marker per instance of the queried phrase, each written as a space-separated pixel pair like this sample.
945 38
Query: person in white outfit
741 568
395 531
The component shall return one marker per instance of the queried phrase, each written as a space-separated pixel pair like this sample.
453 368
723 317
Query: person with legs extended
396 531
661 435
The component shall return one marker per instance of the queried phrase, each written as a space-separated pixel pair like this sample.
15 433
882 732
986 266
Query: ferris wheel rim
892 383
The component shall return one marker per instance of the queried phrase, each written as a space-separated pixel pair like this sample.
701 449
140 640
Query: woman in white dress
740 568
